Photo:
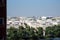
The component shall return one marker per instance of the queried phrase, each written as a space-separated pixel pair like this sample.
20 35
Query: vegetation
30 33
53 32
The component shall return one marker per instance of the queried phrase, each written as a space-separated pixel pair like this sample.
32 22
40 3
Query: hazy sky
33 7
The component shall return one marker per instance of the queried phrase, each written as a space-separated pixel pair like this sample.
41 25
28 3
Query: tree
56 30
40 32
30 32
21 32
53 31
49 32
12 34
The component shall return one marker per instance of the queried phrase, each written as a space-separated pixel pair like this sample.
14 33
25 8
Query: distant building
32 21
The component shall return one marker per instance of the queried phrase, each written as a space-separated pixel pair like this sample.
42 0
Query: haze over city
33 8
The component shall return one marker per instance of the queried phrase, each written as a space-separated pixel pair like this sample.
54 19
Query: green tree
49 33
53 31
21 30
30 32
40 32
56 30
12 34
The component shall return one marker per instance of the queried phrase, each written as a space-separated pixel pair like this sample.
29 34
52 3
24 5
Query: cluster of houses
32 21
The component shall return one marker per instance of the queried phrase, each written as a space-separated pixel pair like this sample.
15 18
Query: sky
29 8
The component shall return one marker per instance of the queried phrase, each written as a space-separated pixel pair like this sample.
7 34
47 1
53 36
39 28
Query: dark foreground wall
2 19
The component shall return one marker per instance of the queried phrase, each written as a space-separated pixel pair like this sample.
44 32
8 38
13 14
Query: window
1 21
